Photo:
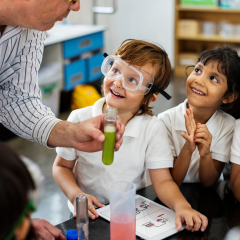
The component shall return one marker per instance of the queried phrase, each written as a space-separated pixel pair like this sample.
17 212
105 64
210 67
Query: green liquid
109 145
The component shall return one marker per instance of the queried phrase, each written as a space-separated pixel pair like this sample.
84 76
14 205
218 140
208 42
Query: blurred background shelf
215 38
198 28
206 9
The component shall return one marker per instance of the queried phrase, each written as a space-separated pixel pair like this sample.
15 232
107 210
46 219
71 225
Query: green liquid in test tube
110 136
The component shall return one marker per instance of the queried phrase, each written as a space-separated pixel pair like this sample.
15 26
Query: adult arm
21 109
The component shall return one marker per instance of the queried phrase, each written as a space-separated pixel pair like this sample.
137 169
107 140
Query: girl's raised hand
204 139
92 213
191 127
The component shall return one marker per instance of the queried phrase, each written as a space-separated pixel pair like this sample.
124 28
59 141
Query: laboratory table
217 203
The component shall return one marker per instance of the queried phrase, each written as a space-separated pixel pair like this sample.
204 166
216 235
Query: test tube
110 135
82 217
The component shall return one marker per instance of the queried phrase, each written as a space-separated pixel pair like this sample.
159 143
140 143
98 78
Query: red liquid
122 230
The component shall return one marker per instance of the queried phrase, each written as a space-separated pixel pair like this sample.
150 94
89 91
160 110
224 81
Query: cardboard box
188 27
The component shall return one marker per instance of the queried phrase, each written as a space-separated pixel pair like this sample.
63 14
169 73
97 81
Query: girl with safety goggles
134 75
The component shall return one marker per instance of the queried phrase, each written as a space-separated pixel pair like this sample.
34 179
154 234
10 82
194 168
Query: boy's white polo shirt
145 146
220 125
235 149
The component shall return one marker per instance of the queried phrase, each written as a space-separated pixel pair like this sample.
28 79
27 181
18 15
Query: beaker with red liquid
122 211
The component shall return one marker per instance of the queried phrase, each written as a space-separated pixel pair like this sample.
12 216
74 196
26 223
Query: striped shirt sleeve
21 109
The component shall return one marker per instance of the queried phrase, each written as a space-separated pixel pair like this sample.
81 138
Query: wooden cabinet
196 43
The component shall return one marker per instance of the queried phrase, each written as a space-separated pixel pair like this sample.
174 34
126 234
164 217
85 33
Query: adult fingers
45 230
97 134
119 137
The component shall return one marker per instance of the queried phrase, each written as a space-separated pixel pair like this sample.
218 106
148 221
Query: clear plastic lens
132 78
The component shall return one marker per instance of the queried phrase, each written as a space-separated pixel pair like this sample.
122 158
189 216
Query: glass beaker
122 211
110 135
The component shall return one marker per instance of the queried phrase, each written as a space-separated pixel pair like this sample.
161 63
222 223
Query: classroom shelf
194 44
215 38
206 9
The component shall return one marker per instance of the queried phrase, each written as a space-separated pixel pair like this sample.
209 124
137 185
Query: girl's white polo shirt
220 125
235 149
145 146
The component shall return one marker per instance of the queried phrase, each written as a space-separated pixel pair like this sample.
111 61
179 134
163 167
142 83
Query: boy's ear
230 98
154 98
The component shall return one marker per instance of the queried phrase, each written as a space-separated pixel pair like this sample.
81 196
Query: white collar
211 124
133 127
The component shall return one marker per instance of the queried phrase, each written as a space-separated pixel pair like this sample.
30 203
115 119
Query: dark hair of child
229 65
15 184
138 53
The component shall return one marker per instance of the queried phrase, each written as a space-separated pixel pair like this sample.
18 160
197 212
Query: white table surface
63 32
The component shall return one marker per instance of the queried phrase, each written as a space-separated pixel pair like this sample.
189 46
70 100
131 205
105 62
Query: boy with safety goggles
134 75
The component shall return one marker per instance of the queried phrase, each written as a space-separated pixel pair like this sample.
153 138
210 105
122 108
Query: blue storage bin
94 67
77 46
74 74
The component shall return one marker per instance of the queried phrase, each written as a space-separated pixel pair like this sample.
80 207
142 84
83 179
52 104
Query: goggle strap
105 55
155 89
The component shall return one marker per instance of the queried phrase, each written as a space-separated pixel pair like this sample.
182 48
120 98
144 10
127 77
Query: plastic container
49 78
226 29
82 217
110 135
209 28
123 211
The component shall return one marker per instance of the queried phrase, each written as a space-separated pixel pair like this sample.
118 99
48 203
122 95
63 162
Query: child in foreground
134 75
201 143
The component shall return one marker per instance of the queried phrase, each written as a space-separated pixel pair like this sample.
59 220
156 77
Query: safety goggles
133 79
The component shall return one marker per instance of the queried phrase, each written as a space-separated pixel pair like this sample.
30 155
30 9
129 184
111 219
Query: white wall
151 20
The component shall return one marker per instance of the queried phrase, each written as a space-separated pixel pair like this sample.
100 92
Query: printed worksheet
151 219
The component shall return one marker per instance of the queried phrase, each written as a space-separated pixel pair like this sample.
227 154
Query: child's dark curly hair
228 65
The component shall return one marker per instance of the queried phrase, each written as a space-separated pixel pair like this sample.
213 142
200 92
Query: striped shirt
21 109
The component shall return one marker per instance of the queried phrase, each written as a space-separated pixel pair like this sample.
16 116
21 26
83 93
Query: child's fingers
178 222
97 203
203 142
185 136
92 211
91 215
203 135
189 222
197 223
74 214
204 222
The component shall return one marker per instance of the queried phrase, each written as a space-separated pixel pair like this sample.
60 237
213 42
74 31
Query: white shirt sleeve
221 149
165 119
21 109
158 153
235 149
